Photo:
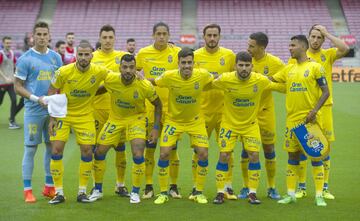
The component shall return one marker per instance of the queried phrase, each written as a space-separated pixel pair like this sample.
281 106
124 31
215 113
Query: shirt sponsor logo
156 71
243 103
44 76
297 87
124 104
80 93
185 99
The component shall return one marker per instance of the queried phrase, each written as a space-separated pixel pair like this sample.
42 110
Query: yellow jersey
112 62
154 63
79 87
216 63
242 97
326 57
302 89
184 95
128 100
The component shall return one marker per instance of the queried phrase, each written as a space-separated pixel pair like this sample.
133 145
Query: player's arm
342 48
152 80
311 117
278 87
154 134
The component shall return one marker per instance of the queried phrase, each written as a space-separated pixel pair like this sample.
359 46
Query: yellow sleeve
139 61
232 61
150 92
331 53
291 61
281 76
208 77
163 80
279 87
108 80
218 83
57 81
319 72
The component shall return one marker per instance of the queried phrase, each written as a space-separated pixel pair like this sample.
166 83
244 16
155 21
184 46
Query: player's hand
8 80
140 75
52 125
311 117
42 101
154 135
322 29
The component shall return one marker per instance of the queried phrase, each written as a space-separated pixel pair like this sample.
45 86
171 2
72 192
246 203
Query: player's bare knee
253 156
101 150
294 155
224 157
86 150
57 147
202 153
268 148
165 153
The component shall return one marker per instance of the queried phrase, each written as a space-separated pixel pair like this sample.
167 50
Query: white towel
57 105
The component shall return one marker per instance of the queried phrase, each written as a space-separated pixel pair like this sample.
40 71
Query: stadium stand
351 10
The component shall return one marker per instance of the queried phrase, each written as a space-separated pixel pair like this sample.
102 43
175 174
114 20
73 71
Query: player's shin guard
244 163
326 163
291 176
254 176
194 161
85 169
57 170
99 170
270 165
318 176
229 175
174 166
149 162
302 171
222 170
138 169
120 163
201 170
163 175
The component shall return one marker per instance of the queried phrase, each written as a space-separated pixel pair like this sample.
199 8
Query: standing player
7 67
79 82
306 92
325 57
154 60
107 57
216 60
266 64
185 87
60 48
127 122
34 71
70 50
243 91
131 46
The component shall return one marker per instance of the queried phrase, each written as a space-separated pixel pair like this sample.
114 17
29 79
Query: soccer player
34 71
266 64
131 46
216 60
325 57
107 57
79 82
243 90
154 60
127 122
60 48
185 87
70 50
306 93
7 67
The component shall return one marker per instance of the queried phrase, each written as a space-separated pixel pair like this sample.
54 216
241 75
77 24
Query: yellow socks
85 169
254 176
222 170
57 170
120 163
318 176
174 166
163 175
201 170
244 163
270 166
291 176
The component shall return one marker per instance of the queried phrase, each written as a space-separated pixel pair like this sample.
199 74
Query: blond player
154 60
79 82
216 60
108 57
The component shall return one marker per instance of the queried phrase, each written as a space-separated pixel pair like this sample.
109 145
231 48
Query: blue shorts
34 128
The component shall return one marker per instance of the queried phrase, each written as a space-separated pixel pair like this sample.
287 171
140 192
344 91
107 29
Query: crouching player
126 122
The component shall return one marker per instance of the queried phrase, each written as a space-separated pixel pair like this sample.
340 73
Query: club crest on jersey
196 86
93 79
136 95
165 139
255 88
266 70
222 61
323 58
170 59
103 137
117 60
306 73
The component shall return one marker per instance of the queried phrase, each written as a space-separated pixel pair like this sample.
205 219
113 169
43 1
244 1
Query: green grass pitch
344 179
